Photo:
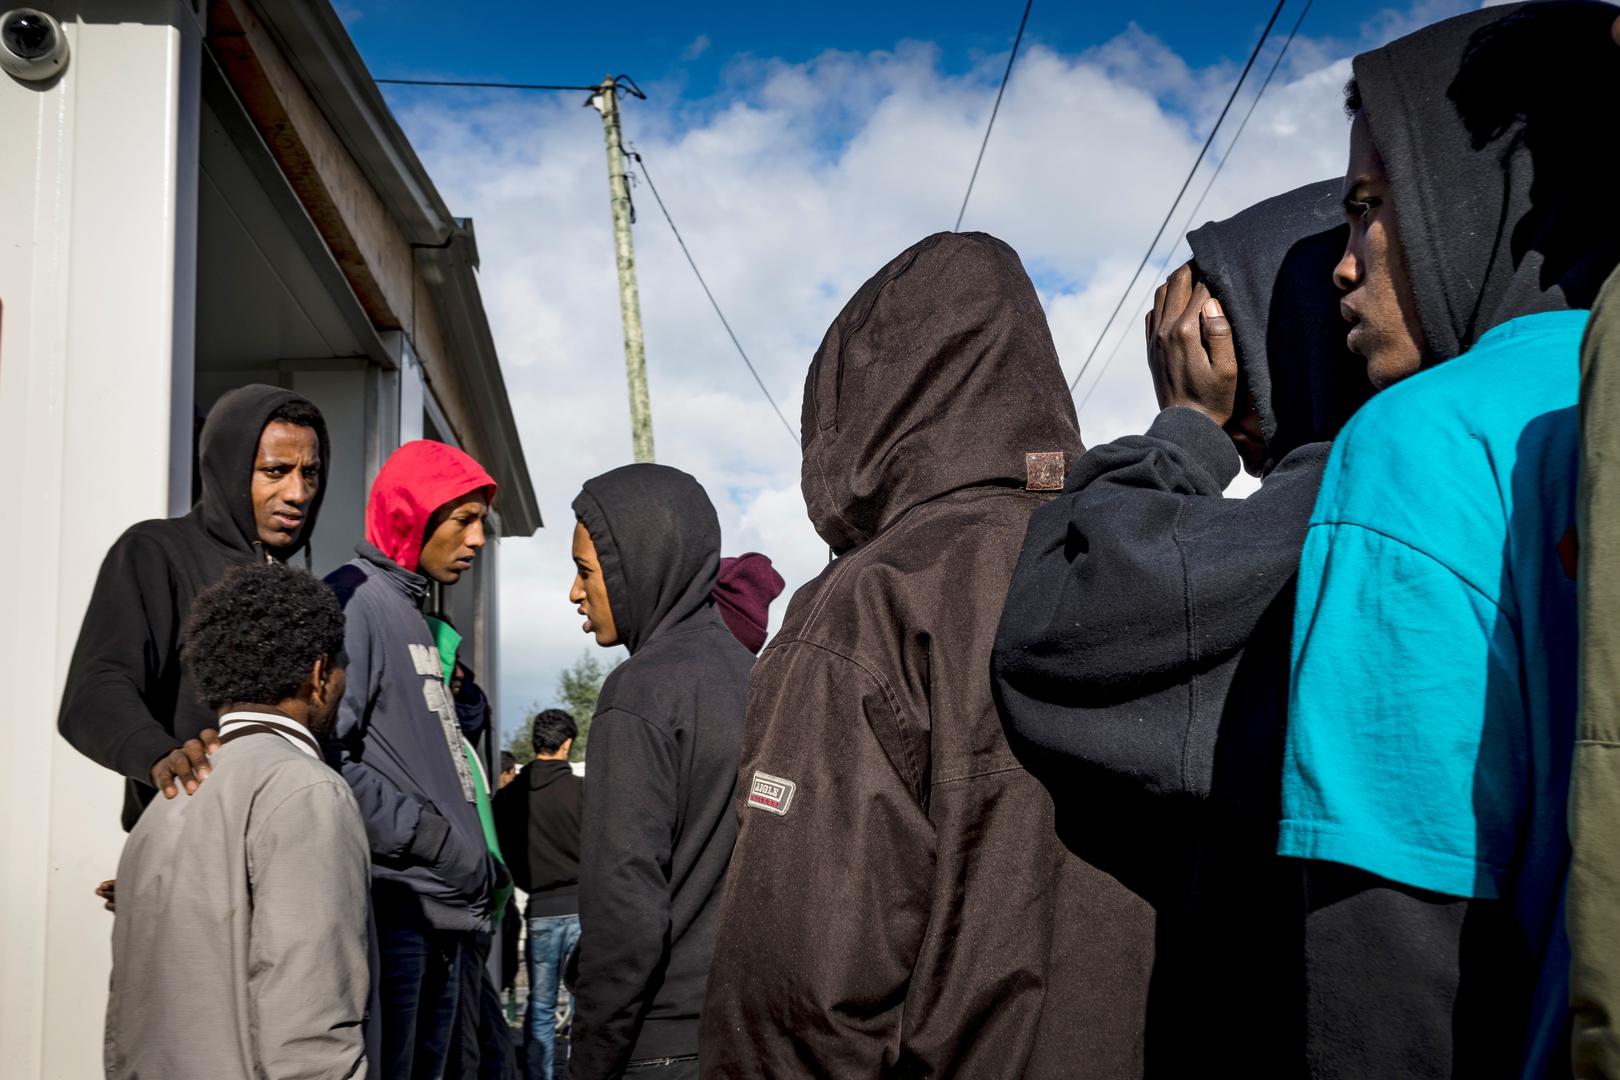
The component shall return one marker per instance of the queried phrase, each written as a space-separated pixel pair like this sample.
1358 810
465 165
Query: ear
567 747
320 679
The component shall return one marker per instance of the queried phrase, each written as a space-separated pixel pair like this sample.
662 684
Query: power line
1177 200
1219 165
997 108
706 292
479 85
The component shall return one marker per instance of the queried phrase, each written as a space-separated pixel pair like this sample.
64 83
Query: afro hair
253 637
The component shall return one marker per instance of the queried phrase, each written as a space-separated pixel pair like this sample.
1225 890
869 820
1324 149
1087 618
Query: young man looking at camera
399 741
253 960
128 703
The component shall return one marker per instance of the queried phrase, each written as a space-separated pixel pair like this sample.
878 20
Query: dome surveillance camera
32 45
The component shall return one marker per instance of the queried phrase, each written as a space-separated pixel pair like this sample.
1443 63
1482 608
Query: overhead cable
1199 160
994 109
640 161
1219 165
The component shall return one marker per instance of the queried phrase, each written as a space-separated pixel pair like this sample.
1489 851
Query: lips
291 522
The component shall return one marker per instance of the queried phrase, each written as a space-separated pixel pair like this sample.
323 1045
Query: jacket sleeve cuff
432 830
141 750
1201 438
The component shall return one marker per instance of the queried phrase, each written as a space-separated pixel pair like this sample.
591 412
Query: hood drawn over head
416 480
226 451
938 375
1484 125
743 591
1271 267
657 539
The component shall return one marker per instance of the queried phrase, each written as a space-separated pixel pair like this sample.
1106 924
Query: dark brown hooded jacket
900 902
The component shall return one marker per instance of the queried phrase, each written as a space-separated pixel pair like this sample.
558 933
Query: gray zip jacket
399 745
240 943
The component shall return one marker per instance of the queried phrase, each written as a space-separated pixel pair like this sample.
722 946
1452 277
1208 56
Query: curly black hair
551 728
252 638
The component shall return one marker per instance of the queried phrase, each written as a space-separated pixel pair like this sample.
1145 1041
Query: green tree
578 686
520 743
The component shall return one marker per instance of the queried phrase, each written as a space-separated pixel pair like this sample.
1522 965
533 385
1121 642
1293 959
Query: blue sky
686 48
800 148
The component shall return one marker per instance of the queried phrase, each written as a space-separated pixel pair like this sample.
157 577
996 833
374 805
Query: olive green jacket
1594 809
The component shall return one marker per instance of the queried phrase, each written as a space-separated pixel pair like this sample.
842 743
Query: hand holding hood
1483 122
416 480
938 375
657 538
1271 267
226 453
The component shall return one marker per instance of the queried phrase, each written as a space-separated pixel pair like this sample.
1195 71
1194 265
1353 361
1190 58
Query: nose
1347 273
298 488
576 595
475 536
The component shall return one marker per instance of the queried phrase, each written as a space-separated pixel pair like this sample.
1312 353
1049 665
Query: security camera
32 45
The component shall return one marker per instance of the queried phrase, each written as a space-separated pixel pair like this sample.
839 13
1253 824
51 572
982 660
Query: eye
1363 208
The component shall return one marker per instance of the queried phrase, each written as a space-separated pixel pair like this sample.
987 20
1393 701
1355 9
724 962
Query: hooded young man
129 704
1432 708
657 826
399 741
253 961
901 902
1144 645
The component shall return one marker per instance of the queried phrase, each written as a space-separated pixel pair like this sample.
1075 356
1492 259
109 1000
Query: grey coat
240 944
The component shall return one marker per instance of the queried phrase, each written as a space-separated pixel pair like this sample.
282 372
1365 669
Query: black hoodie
537 823
1145 642
127 701
903 902
1483 122
657 828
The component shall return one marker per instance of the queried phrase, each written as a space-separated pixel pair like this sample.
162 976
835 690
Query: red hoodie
416 480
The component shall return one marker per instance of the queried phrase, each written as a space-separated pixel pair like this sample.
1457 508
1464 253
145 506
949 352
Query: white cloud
791 187
698 46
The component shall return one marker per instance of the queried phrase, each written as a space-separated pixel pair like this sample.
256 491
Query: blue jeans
551 938
421 984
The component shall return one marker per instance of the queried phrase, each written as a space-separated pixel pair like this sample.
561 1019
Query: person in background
743 591
1433 704
254 961
537 818
658 825
129 704
509 770
399 742
1145 641
901 901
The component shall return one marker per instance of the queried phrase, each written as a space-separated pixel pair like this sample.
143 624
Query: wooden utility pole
606 102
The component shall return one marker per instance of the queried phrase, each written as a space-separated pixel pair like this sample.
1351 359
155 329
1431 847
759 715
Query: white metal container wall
97 241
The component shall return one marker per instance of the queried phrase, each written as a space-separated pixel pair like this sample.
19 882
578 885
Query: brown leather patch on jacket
1043 471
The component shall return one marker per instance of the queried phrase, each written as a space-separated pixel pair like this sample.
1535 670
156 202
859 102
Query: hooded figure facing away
743 592
399 742
657 826
901 903
129 704
1144 646
1432 701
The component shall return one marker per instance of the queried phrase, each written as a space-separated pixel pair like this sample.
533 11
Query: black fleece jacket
658 825
1144 647
127 701
537 823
